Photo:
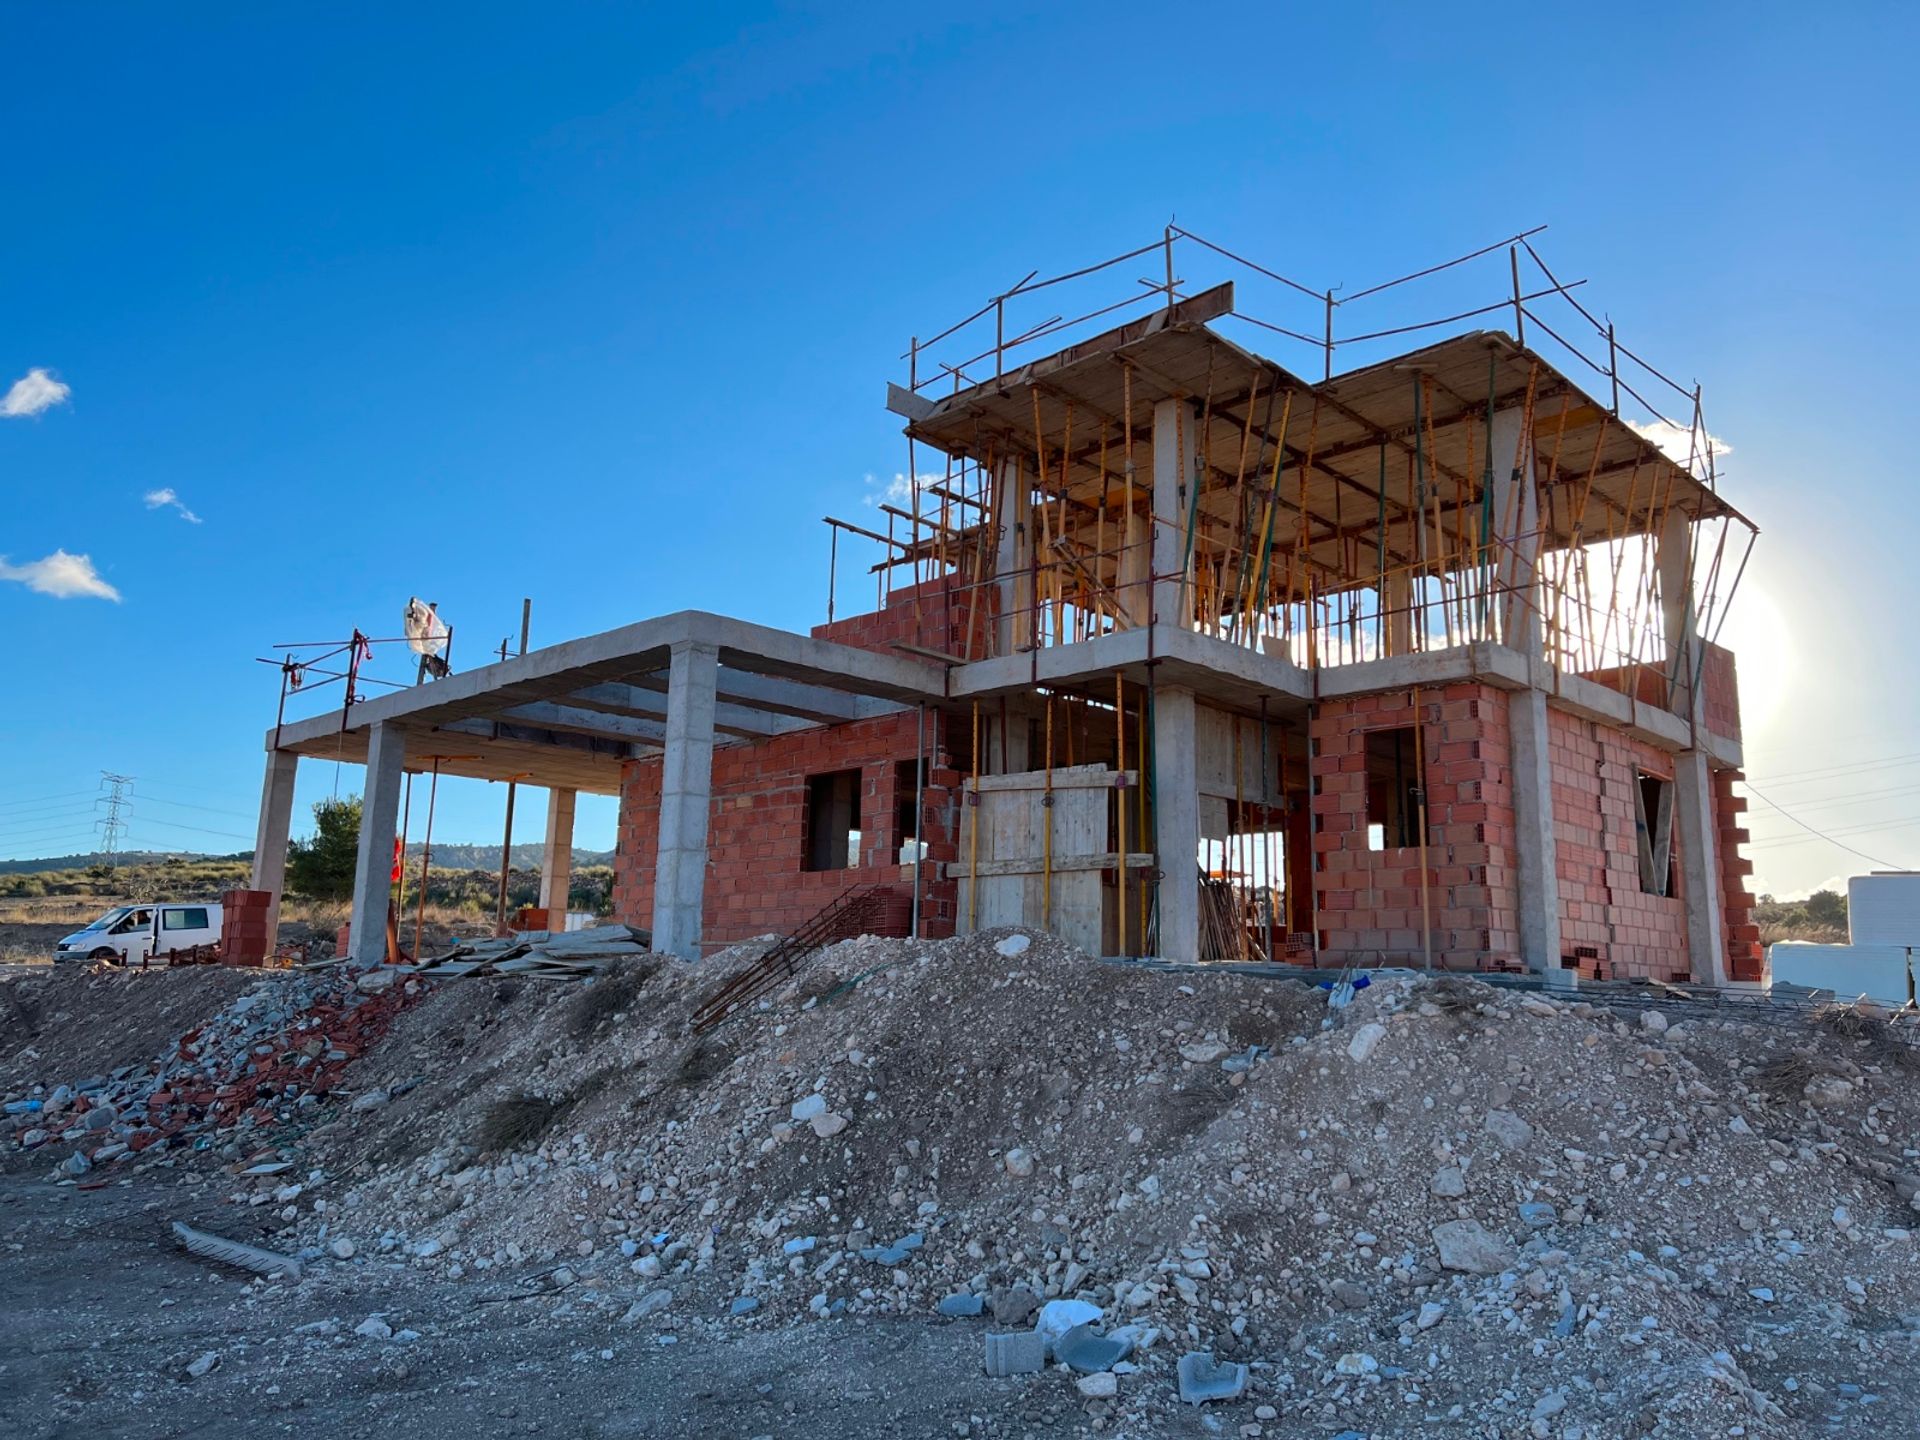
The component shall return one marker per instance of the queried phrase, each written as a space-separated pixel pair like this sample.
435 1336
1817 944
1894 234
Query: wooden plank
1066 777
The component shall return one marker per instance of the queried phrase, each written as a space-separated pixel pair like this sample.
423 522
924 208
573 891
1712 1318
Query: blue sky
595 305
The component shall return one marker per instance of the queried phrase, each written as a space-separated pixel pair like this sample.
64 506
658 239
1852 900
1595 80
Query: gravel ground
1442 1209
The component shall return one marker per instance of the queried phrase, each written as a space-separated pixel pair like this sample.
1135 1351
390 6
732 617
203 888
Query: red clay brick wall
930 616
1746 958
1722 686
1601 903
756 837
1368 902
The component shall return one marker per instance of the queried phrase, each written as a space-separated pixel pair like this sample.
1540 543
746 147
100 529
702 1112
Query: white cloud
1678 441
32 393
167 495
60 575
899 491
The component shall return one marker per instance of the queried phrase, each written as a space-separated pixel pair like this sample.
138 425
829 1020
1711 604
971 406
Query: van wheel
105 953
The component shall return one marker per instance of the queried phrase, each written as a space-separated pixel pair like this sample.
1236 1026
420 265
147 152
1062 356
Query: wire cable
1891 865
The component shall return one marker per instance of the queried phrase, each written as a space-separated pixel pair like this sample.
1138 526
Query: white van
129 934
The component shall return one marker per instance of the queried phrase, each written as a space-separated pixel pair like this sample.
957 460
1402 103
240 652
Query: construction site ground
526 1206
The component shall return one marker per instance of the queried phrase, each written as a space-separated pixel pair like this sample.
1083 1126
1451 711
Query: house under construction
1177 652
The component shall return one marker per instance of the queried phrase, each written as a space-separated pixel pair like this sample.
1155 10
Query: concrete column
556 860
1673 560
1013 562
686 796
270 836
1516 533
379 817
1535 848
1176 826
1174 424
1700 866
1396 600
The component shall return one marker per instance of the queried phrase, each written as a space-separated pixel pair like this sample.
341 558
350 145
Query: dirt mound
61 1022
1441 1201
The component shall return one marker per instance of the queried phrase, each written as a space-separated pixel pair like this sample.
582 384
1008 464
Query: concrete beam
686 797
556 857
373 868
270 836
1700 867
643 700
1535 846
551 715
1176 830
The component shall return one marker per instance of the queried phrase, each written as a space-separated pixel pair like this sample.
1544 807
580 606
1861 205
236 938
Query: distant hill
487 857
445 857
125 857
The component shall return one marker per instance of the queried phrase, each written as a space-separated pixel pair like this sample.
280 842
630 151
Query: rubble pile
266 1058
1440 1203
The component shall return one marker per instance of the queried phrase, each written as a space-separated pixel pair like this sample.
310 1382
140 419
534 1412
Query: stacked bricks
1602 907
1746 958
243 927
931 616
757 830
1368 902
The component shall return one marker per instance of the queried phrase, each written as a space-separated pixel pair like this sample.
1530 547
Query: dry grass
1456 994
1871 1033
611 993
518 1121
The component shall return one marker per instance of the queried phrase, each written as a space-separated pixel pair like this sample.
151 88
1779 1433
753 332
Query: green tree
322 868
1827 907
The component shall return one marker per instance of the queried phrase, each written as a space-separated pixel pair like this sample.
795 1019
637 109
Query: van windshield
110 917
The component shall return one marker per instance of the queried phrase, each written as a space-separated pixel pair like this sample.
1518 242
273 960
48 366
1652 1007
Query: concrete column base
1176 830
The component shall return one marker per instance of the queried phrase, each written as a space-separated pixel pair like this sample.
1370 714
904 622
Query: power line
210 809
1891 865
197 829
43 799
1801 777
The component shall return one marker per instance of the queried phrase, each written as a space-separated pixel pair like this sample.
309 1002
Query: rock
808 1106
1349 1296
1013 1305
1202 1378
372 1100
206 1364
1762 1293
1826 1091
1509 1129
376 981
1101 1385
1203 1052
373 1328
1449 1182
1469 1247
1012 946
1537 1214
651 1303
341 1248
799 1245
1430 1315
1355 1362
1738 1125
828 1125
1366 1040
1019 1163
962 1306
647 1267
1655 1023
745 1305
